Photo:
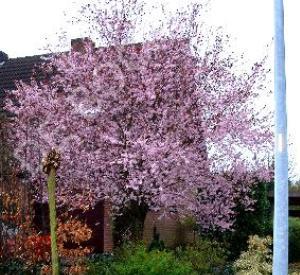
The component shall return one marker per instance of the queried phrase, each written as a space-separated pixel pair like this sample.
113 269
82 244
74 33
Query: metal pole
280 229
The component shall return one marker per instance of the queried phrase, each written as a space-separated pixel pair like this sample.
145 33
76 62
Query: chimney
77 44
3 58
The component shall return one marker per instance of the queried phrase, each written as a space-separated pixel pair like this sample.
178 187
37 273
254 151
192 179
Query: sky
27 26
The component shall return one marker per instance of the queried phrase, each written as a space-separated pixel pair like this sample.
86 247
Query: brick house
98 219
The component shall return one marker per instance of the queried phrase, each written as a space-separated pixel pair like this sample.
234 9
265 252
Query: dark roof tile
20 68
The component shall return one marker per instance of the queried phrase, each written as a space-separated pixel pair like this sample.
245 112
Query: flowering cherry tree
148 122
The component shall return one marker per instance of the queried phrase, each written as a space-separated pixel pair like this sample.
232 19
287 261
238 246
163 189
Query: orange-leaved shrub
71 235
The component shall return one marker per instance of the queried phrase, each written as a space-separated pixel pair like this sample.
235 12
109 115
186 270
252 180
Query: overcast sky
26 26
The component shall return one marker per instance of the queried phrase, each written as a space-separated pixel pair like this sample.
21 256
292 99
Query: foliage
26 252
151 123
258 258
136 121
294 187
17 267
138 261
100 264
15 218
257 221
294 240
39 246
22 250
71 234
206 256
20 244
189 222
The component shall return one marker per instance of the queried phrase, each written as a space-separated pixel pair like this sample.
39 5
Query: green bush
256 222
138 261
100 264
257 259
206 256
203 257
294 240
294 187
16 267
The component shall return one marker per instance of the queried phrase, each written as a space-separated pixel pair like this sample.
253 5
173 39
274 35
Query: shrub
294 187
100 264
256 222
18 267
206 256
257 260
138 261
71 235
294 240
22 249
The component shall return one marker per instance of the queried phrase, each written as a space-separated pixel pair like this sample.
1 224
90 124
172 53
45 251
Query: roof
22 68
18 69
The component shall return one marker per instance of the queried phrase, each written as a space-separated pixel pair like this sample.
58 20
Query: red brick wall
107 232
171 231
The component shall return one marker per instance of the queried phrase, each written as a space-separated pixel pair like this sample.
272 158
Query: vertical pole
53 221
280 229
50 166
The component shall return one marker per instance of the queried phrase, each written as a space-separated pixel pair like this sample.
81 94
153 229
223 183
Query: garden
102 136
244 250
